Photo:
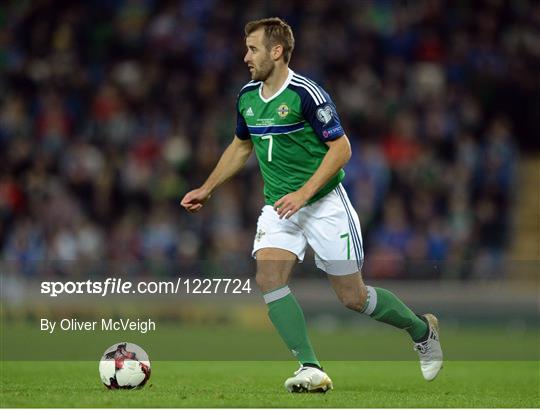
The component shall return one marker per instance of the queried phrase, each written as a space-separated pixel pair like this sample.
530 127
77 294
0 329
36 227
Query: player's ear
276 52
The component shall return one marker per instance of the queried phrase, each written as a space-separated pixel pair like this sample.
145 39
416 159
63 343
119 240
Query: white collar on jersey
285 84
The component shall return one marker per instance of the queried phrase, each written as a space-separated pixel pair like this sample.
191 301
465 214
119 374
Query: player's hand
194 200
290 204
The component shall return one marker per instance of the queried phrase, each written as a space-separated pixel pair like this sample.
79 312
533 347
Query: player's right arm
232 160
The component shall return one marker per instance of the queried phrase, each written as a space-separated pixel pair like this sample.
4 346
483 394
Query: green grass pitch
352 357
260 384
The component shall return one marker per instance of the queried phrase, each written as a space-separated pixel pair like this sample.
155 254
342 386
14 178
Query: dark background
111 110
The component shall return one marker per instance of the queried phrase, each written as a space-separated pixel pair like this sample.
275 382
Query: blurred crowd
111 110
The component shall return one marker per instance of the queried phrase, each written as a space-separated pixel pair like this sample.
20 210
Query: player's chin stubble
265 71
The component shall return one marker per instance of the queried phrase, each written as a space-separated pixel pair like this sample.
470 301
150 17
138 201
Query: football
124 366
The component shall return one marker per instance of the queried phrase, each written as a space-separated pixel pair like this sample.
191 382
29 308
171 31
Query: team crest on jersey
324 115
283 110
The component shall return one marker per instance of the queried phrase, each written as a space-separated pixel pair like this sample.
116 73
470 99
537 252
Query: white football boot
309 380
430 352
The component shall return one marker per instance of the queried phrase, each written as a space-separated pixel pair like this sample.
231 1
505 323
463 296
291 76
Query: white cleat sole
306 387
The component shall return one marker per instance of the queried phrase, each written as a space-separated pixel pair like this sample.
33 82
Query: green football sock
383 306
288 318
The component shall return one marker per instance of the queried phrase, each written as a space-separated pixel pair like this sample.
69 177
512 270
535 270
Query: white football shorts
330 226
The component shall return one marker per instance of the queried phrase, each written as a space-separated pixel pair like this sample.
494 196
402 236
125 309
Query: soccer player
301 148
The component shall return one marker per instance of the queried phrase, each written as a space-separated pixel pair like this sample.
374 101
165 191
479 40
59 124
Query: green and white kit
289 131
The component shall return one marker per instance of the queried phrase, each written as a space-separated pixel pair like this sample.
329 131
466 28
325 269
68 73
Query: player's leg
274 267
333 231
278 244
378 303
383 306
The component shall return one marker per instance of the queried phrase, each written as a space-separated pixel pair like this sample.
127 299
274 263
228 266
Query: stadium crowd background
111 110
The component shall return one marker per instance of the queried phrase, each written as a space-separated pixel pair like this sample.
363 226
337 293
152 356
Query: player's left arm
338 154
320 112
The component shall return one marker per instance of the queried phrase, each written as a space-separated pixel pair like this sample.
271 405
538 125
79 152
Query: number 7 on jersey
270 145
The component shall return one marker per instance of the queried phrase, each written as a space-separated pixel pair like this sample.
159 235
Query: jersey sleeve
320 111
242 131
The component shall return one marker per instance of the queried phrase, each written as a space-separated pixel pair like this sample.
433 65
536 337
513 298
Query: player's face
257 57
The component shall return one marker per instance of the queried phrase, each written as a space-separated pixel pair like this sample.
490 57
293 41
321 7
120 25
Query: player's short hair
276 31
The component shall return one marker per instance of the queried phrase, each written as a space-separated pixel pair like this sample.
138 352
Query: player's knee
354 299
353 304
268 281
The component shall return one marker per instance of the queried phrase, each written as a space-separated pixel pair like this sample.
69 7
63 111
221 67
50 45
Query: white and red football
124 366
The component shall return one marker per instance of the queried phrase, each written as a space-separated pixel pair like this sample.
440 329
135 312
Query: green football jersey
288 132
